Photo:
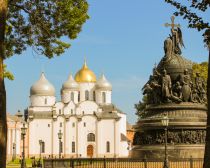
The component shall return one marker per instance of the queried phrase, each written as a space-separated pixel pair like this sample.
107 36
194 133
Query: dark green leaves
42 24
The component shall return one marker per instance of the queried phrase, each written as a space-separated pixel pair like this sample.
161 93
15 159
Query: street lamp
40 151
60 134
13 151
165 121
23 133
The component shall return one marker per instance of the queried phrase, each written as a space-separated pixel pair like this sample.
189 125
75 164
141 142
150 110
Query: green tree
140 107
202 68
39 24
187 9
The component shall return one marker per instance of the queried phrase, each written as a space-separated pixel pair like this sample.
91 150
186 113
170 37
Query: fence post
72 163
145 161
104 162
191 162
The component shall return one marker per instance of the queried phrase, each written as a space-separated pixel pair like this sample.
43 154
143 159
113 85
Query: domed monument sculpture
171 91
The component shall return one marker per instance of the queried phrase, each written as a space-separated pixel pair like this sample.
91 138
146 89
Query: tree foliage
188 12
8 74
140 107
40 24
202 68
43 24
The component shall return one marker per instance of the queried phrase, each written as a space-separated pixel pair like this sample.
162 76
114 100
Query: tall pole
23 156
166 165
59 148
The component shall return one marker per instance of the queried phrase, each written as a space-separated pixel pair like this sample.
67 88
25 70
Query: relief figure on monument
186 83
200 86
166 86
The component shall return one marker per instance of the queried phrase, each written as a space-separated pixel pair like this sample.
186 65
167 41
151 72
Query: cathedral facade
84 123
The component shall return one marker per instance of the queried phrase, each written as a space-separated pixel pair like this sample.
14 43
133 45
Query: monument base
174 151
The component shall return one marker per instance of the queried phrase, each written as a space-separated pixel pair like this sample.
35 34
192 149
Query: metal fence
120 163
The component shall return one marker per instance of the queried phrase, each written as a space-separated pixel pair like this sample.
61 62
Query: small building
14 142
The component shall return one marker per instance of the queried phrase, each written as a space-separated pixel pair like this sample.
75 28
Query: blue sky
122 39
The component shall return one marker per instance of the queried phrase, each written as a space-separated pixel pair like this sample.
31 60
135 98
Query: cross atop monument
173 25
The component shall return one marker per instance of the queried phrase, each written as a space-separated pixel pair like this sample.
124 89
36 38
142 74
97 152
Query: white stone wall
87 107
42 100
70 109
86 86
105 133
66 96
70 135
99 96
40 129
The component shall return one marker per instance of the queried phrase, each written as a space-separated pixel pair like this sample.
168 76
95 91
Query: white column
77 139
52 135
64 138
96 124
117 138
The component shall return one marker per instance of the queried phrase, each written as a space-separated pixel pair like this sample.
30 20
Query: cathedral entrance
90 151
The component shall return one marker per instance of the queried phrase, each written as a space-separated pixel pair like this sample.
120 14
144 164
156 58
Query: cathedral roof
85 75
107 115
103 83
42 87
70 84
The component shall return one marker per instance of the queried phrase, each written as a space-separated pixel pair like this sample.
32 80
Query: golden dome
85 75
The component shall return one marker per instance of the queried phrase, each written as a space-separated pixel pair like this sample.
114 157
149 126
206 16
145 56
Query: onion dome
42 87
85 75
70 84
103 83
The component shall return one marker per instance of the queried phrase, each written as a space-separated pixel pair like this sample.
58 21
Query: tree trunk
3 118
206 163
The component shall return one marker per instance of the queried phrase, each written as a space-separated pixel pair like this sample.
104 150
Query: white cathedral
90 125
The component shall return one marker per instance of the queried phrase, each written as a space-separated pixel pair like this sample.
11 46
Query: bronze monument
172 91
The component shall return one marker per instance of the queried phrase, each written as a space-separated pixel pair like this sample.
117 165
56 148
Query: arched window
103 97
73 147
42 147
86 95
94 96
107 146
72 96
91 137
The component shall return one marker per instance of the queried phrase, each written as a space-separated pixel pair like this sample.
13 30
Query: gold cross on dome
172 24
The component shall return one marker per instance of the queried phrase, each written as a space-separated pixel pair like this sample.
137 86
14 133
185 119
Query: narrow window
73 147
61 124
83 112
45 100
91 137
59 111
94 96
73 124
86 95
72 96
71 111
104 97
48 125
84 124
43 147
79 97
107 146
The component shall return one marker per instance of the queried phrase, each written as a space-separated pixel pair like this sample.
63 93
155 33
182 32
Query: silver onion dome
103 83
70 84
42 87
